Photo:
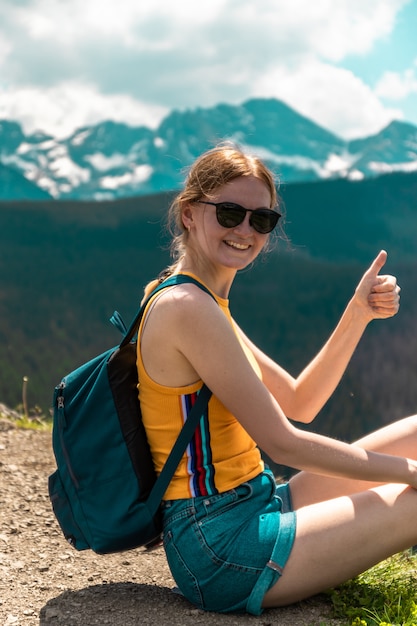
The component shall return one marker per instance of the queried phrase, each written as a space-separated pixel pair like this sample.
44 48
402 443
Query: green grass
385 595
33 424
33 420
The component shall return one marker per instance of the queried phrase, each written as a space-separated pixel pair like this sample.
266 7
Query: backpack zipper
61 426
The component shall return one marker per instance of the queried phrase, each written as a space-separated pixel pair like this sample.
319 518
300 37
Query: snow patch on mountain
140 174
111 159
388 168
103 163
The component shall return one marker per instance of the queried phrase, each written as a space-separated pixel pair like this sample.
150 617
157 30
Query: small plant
35 419
25 396
385 595
22 416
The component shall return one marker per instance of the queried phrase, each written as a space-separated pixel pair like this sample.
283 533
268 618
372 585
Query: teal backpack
105 493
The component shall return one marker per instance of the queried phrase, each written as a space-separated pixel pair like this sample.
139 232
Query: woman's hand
378 295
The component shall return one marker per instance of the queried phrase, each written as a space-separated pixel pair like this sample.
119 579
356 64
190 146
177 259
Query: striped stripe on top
199 455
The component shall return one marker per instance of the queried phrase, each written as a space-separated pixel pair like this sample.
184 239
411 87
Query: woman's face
233 247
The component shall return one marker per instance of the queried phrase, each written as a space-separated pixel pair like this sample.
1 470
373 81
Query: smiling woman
234 540
236 181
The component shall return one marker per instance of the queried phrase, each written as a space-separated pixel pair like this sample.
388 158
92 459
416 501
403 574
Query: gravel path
44 581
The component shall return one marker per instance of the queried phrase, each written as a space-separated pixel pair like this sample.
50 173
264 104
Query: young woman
234 540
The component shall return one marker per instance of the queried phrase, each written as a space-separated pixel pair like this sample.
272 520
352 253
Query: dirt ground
44 581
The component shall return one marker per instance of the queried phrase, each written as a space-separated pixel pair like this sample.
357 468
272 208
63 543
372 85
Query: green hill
64 268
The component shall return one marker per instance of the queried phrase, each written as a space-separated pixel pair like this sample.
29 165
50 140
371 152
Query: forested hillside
64 268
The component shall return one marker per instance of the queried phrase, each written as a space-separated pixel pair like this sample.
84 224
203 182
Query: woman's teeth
238 246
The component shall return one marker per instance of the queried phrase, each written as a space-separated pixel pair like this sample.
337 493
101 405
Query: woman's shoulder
183 302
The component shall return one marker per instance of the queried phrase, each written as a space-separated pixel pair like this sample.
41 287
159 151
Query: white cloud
397 85
67 64
73 21
333 97
162 32
331 30
60 109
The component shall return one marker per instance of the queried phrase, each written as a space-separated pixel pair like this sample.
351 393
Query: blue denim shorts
225 551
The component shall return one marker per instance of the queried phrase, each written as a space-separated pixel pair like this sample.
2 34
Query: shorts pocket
183 576
223 531
218 505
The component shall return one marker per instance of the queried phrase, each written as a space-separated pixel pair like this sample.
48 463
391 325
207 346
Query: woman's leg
339 538
399 438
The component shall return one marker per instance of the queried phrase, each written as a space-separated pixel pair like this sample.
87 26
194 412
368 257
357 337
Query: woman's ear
187 217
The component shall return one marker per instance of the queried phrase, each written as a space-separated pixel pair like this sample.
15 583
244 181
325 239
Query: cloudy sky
350 65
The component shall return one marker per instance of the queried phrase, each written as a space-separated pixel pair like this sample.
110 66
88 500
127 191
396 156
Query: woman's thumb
377 264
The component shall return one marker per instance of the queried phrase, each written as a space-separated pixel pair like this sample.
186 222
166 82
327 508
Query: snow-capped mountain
111 160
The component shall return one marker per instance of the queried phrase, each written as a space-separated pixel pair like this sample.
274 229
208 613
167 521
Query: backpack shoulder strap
197 411
177 279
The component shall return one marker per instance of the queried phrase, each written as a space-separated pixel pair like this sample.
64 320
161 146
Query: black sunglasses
230 215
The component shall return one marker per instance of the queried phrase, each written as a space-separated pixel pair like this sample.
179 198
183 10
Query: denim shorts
225 551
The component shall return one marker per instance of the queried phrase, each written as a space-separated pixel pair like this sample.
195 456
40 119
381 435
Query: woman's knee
340 538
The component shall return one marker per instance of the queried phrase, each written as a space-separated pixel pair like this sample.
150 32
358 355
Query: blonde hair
209 172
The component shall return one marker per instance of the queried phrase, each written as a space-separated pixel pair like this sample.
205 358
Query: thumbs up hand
378 295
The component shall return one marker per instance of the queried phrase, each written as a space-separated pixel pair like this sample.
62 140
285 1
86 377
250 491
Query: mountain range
112 160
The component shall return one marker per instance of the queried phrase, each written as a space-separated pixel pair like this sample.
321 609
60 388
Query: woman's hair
207 174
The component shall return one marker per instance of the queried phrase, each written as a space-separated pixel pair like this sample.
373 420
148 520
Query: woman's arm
303 397
203 336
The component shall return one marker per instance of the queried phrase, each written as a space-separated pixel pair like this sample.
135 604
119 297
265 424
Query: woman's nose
244 228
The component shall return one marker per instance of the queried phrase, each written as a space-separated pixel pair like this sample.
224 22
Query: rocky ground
44 581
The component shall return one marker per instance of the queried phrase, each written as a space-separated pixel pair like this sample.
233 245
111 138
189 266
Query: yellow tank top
221 454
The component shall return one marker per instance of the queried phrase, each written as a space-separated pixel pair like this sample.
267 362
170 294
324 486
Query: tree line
65 267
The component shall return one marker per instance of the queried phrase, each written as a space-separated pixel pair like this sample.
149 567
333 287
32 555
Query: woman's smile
236 245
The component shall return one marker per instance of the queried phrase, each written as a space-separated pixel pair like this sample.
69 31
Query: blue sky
350 65
390 68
